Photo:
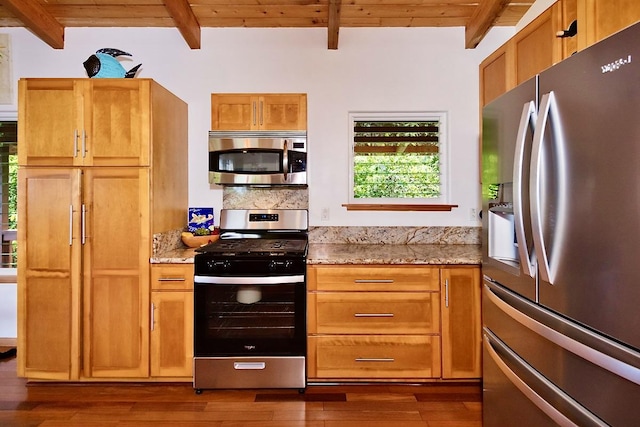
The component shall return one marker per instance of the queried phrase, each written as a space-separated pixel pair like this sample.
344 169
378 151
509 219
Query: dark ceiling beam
37 20
482 19
185 20
333 25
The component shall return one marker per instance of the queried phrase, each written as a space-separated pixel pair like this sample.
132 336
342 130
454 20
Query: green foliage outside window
9 192
397 160
13 192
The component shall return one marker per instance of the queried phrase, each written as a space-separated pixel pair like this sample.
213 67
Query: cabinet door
49 274
461 322
172 334
172 320
495 77
117 123
116 272
536 46
282 112
50 122
600 18
233 112
258 111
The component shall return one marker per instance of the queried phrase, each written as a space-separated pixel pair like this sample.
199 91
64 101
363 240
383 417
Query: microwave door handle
527 119
285 159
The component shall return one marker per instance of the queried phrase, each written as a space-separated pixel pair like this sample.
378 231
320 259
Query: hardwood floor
140 405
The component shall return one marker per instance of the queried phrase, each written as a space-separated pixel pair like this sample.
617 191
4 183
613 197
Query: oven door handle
246 280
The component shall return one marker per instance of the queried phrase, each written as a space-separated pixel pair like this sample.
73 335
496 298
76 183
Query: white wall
536 9
8 310
386 69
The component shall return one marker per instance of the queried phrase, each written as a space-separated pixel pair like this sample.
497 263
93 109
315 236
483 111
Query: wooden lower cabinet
380 322
368 357
172 321
461 322
83 276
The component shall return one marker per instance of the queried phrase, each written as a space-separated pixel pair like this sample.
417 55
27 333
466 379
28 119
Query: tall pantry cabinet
102 167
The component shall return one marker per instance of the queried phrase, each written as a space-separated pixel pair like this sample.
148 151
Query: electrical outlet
324 214
473 214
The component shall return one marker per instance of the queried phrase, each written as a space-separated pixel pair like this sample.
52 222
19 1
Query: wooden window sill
389 207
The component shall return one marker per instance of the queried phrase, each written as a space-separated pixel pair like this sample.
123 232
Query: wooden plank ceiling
49 18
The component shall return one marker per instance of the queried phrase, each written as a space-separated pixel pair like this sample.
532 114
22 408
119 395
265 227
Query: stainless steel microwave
257 158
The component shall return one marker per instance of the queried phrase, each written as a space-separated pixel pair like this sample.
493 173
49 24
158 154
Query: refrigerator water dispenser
502 237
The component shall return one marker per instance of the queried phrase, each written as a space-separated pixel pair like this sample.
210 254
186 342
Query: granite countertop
182 255
360 253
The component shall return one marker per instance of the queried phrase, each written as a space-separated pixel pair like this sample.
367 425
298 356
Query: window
398 159
8 193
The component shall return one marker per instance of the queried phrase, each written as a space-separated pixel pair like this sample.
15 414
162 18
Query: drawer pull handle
373 315
249 365
373 281
375 359
171 279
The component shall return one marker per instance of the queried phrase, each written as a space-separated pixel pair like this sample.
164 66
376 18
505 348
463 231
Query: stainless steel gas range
250 302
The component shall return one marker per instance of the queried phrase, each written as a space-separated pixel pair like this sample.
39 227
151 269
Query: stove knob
280 265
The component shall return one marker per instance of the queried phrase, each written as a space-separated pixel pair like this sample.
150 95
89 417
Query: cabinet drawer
171 277
373 278
371 357
375 313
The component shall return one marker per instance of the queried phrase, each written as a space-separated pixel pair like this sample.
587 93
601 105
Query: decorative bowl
193 241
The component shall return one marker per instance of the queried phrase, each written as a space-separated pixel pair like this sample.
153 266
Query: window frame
440 203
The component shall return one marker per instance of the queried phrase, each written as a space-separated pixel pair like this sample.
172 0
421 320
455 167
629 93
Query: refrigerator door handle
491 343
548 114
584 351
527 120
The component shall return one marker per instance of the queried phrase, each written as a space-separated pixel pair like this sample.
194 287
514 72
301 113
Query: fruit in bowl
198 238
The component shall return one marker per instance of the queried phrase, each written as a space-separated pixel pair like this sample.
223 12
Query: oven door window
248 161
232 320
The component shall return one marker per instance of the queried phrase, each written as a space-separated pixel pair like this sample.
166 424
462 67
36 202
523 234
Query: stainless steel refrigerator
561 243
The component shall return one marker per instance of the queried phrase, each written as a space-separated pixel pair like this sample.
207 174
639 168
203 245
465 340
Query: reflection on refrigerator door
560 361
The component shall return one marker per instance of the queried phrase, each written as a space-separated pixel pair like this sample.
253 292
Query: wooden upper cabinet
598 19
118 121
532 50
569 14
56 105
495 75
536 47
259 111
84 122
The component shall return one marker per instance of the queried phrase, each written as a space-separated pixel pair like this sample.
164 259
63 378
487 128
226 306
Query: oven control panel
264 217
248 267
